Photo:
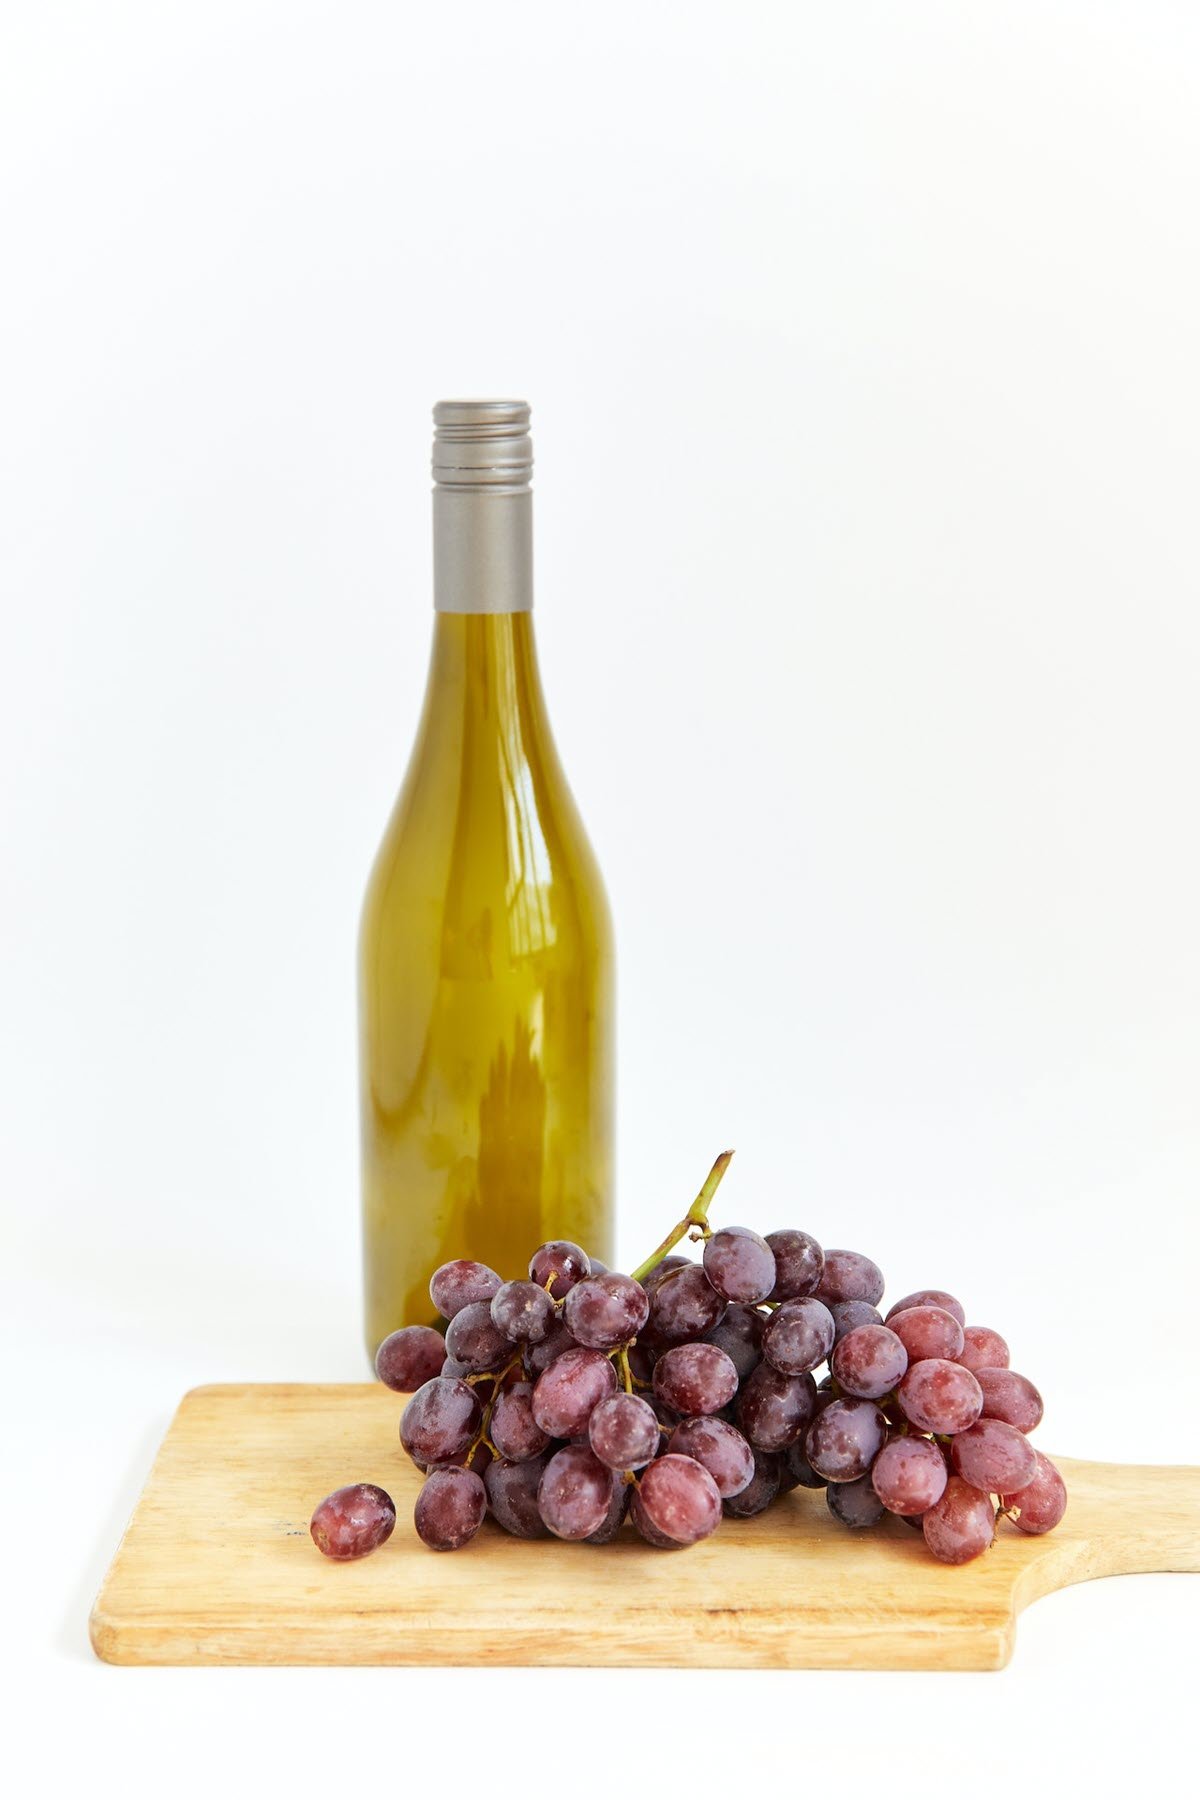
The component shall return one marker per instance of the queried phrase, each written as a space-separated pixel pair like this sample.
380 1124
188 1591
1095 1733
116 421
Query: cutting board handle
1142 1520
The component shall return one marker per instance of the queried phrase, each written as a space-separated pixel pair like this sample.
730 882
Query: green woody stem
697 1214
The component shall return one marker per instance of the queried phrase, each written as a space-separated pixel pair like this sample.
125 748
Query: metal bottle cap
482 443
482 507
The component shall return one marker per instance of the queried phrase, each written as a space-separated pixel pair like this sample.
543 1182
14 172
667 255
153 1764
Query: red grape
855 1503
800 1471
942 1396
513 1428
539 1356
961 1525
560 1264
773 1409
695 1378
982 1348
512 1490
739 1335
845 1438
993 1456
910 1475
614 1518
565 1393
522 1312
660 1271
606 1310
848 1315
739 1264
575 1491
461 1283
1042 1502
869 1362
798 1336
848 1275
927 1331
440 1420
472 1338
624 1431
799 1264
759 1491
685 1304
353 1521
929 1297
1009 1396
721 1448
410 1357
450 1508
679 1498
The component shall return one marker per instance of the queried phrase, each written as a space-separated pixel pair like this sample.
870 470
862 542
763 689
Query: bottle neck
483 677
482 550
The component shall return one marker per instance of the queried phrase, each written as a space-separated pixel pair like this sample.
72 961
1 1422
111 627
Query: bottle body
486 989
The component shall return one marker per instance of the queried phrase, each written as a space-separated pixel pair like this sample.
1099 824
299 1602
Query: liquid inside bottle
486 963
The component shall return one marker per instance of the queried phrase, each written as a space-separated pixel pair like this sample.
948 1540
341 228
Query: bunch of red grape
563 1402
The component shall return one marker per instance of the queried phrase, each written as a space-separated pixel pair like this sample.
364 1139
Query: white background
862 348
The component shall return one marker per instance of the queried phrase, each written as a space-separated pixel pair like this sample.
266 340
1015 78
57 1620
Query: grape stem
483 1435
623 1366
696 1215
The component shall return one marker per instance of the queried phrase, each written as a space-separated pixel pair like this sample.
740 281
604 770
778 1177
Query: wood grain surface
217 1565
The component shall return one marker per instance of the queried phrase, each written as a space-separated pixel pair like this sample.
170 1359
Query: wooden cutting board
217 1565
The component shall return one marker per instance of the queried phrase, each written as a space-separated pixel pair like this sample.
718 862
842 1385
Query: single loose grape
721 1448
513 1428
558 1265
624 1431
869 1361
845 1438
695 1378
685 1304
798 1336
440 1420
759 1491
848 1275
472 1338
512 1490
1011 1397
927 1331
740 1264
854 1503
450 1508
993 1456
606 1310
739 1335
910 1475
575 1492
929 1297
848 1315
410 1357
1041 1503
961 1525
353 1521
679 1498
982 1348
461 1283
522 1312
942 1396
773 1409
799 1264
565 1393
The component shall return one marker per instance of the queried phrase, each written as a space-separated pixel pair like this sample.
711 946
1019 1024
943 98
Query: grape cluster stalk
574 1399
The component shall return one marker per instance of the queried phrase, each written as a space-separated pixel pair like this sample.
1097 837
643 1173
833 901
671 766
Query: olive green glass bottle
485 956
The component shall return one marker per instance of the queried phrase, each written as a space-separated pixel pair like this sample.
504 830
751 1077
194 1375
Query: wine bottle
485 956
